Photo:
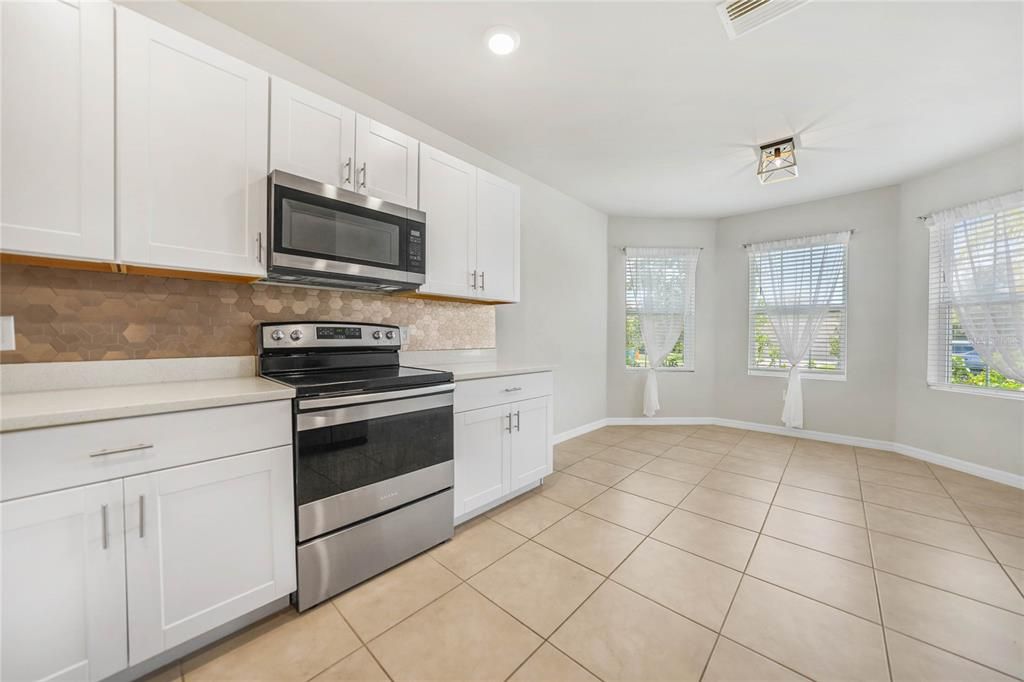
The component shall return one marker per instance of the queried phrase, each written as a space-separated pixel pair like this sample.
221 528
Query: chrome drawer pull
142 516
114 451
513 389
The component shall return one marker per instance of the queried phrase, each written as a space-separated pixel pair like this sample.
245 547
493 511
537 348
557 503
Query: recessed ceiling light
502 40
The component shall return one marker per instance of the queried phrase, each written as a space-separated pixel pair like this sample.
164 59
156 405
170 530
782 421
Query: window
802 272
661 283
981 246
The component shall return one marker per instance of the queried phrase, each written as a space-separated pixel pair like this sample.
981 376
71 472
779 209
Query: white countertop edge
40 409
469 371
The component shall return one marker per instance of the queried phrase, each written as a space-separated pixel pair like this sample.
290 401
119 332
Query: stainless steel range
373 451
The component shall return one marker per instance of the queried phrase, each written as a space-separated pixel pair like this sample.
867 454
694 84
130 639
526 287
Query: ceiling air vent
743 16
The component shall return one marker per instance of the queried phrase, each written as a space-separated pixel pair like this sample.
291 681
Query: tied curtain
663 284
798 281
982 264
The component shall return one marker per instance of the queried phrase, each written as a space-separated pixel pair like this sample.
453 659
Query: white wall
563 241
982 429
864 404
682 394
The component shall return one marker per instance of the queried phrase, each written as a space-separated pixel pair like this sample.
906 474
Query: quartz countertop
466 371
37 409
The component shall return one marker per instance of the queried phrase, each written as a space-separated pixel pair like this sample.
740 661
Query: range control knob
277 335
390 335
296 334
376 335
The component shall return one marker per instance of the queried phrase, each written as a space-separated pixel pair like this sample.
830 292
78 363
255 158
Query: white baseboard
979 470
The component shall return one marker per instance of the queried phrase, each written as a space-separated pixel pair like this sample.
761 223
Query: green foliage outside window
985 378
636 354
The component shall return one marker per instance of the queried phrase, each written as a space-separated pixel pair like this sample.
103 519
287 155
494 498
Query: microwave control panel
416 247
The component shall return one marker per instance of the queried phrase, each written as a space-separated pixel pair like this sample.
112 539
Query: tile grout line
874 572
743 573
363 642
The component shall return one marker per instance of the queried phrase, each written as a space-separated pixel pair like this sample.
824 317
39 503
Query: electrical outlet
7 332
403 333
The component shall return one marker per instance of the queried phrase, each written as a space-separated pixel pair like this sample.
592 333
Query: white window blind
800 266
671 268
976 266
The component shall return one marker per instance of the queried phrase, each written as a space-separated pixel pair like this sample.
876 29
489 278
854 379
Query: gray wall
563 241
682 394
977 428
864 404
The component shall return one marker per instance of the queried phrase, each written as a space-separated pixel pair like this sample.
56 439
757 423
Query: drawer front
477 393
41 460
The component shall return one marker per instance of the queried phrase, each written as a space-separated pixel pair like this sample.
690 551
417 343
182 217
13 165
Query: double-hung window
810 273
976 297
661 288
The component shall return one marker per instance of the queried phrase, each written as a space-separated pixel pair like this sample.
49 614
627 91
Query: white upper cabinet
192 153
387 163
63 589
448 197
497 241
311 136
57 115
206 543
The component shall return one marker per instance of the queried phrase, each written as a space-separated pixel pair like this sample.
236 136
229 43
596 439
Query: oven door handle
363 398
360 413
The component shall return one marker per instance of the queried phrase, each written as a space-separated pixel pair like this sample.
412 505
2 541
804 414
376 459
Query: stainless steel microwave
325 236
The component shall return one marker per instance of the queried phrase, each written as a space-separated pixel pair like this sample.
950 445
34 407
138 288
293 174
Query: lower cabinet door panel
206 543
480 447
530 456
63 585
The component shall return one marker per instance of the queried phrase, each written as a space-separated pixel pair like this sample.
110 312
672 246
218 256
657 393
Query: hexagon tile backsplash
63 315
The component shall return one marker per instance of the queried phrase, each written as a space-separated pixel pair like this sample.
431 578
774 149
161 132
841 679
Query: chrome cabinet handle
482 284
106 528
513 389
348 172
259 247
517 420
142 516
363 171
474 280
509 427
114 451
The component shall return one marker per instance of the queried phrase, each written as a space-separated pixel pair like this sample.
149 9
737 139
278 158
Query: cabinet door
481 442
387 163
311 136
206 543
497 242
57 115
64 585
530 453
191 150
448 197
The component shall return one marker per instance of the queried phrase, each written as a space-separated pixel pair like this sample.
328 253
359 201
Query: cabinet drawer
477 393
41 460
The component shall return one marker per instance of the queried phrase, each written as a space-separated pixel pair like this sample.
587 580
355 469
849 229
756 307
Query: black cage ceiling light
777 161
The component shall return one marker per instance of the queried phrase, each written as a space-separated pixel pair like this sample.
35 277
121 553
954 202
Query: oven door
328 231
359 456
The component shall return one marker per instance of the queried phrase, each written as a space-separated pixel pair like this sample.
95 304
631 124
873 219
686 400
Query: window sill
804 375
660 369
984 392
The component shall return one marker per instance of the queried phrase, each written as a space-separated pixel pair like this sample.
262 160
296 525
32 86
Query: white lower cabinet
97 577
63 585
206 543
499 449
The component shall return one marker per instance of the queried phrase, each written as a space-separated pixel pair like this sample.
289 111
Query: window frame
940 330
689 326
805 372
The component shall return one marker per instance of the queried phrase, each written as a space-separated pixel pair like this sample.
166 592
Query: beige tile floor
685 553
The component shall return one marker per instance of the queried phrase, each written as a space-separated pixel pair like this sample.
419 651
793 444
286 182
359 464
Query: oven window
338 235
336 459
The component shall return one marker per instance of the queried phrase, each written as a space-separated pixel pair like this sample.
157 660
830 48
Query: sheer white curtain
982 247
799 278
664 282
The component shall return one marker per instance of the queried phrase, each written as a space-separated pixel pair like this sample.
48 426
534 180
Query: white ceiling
648 109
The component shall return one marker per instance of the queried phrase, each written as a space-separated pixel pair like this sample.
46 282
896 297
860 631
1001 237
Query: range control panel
326 335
